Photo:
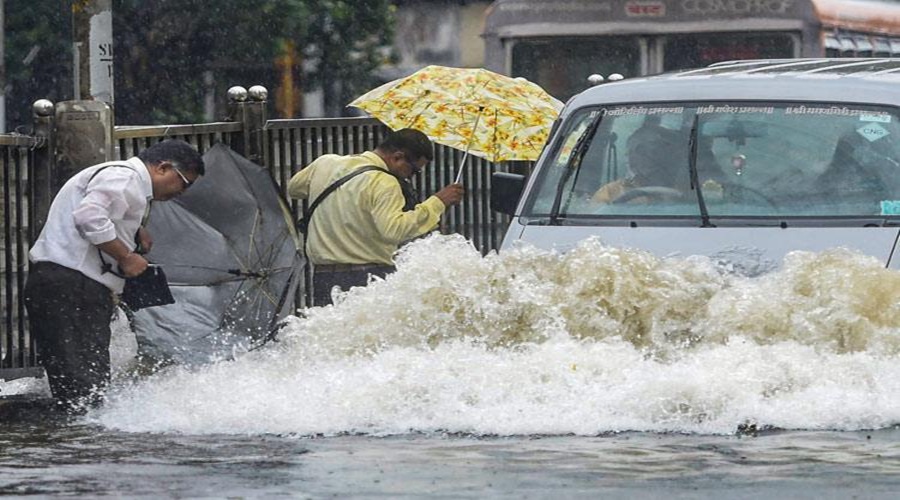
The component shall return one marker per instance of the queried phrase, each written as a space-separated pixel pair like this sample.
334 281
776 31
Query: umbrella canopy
230 252
475 110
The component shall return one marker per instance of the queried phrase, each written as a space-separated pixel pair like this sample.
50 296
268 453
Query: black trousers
325 280
69 315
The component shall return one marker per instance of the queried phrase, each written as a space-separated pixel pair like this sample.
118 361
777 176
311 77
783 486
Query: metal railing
130 140
17 352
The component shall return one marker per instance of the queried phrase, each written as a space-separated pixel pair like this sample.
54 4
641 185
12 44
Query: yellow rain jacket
363 221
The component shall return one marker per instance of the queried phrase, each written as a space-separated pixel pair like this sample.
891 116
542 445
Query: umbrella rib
268 272
258 287
267 255
413 119
252 300
251 244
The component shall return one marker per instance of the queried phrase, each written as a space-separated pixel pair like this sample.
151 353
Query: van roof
843 80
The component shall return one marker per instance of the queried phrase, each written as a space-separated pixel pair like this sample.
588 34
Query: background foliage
38 58
171 55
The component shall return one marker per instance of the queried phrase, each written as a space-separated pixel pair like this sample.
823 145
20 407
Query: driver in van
657 165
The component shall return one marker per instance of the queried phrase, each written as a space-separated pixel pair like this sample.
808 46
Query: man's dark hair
176 151
411 142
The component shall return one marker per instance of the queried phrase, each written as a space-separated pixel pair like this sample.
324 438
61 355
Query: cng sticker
872 131
890 207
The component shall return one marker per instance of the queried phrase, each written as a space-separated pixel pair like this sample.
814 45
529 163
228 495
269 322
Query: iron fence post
256 125
83 137
43 169
249 109
237 97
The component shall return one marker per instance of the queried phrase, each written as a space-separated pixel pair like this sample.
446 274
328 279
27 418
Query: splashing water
599 339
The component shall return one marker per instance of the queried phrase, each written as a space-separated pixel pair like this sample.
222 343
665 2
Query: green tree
167 50
347 42
38 56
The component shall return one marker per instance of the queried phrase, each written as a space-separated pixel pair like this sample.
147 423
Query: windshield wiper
695 178
574 163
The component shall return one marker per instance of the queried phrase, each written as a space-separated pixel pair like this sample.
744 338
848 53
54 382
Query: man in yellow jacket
356 229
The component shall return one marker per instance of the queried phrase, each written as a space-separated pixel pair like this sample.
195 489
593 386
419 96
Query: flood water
89 460
601 372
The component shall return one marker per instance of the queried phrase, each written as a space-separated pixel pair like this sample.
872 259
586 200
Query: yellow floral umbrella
475 110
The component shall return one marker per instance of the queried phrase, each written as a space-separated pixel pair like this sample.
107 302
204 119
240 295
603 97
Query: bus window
848 47
895 47
562 65
864 46
881 47
694 51
833 46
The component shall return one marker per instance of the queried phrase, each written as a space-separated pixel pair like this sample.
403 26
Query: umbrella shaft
462 164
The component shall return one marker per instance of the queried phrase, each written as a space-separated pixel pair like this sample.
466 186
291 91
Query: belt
343 268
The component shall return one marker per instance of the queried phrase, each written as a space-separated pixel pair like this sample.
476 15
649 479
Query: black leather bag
147 290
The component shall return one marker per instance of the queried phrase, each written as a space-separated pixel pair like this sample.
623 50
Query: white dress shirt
87 212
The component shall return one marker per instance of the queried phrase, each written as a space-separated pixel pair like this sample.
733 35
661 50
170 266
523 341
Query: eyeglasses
187 183
414 168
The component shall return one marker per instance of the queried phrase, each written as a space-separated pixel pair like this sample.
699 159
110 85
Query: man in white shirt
94 224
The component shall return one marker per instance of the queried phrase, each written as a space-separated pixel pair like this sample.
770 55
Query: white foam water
123 352
599 339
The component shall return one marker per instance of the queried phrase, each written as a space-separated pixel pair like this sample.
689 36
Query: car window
772 160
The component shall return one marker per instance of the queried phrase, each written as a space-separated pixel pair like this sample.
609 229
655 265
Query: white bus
559 43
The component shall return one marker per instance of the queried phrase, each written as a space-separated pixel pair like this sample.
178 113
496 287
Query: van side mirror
506 189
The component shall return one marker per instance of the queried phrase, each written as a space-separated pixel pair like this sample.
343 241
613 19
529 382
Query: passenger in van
656 159
860 170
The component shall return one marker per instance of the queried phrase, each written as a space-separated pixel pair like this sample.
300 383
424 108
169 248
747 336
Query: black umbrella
231 254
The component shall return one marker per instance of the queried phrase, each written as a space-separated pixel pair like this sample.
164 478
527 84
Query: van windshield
777 160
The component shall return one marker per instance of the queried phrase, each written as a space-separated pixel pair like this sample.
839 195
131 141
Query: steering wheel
652 192
740 192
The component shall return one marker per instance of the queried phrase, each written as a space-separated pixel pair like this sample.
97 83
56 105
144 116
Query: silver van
742 161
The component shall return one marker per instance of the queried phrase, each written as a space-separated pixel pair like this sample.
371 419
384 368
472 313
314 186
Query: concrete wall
447 33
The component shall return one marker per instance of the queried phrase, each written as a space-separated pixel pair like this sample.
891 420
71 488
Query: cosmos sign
641 8
706 7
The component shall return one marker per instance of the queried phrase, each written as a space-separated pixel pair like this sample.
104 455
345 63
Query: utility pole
2 69
286 101
93 50
84 126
